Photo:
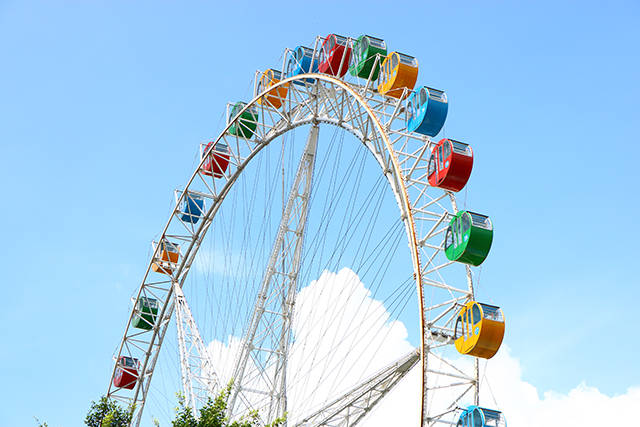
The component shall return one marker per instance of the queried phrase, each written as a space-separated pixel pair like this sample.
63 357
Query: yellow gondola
399 71
479 330
274 97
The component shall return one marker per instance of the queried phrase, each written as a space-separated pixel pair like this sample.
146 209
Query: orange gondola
274 97
166 258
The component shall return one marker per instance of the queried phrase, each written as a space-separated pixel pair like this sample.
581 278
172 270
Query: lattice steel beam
199 378
351 407
266 343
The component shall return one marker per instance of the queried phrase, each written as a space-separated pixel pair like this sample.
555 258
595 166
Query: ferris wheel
289 266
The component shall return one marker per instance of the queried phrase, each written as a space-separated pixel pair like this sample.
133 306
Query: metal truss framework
379 123
266 344
351 407
199 379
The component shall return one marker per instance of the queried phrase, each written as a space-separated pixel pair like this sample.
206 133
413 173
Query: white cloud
223 355
583 406
221 263
342 335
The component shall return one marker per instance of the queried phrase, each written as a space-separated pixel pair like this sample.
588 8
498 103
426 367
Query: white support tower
199 379
260 371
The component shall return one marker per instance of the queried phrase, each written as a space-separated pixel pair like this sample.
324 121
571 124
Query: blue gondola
299 62
192 208
475 416
427 111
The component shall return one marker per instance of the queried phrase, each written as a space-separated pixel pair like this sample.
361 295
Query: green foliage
213 414
107 413
41 424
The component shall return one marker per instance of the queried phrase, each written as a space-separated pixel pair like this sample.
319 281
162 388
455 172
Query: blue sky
102 103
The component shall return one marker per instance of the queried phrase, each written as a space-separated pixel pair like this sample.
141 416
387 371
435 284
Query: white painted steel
351 407
199 379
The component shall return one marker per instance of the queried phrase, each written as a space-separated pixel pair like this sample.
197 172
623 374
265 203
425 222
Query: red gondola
450 165
218 161
335 55
126 372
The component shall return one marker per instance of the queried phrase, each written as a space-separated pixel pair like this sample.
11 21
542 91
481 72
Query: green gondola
469 238
365 50
146 313
246 124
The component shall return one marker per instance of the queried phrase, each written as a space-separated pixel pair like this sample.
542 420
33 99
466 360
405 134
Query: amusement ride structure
253 274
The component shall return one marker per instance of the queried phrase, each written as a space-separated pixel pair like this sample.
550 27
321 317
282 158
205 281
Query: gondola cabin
192 208
243 124
126 373
276 96
217 161
166 258
450 165
468 239
479 330
301 61
427 111
365 51
399 72
475 416
146 313
335 55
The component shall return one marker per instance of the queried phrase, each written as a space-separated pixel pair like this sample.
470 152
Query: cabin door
440 162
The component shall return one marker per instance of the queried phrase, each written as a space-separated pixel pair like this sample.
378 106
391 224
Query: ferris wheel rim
400 192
